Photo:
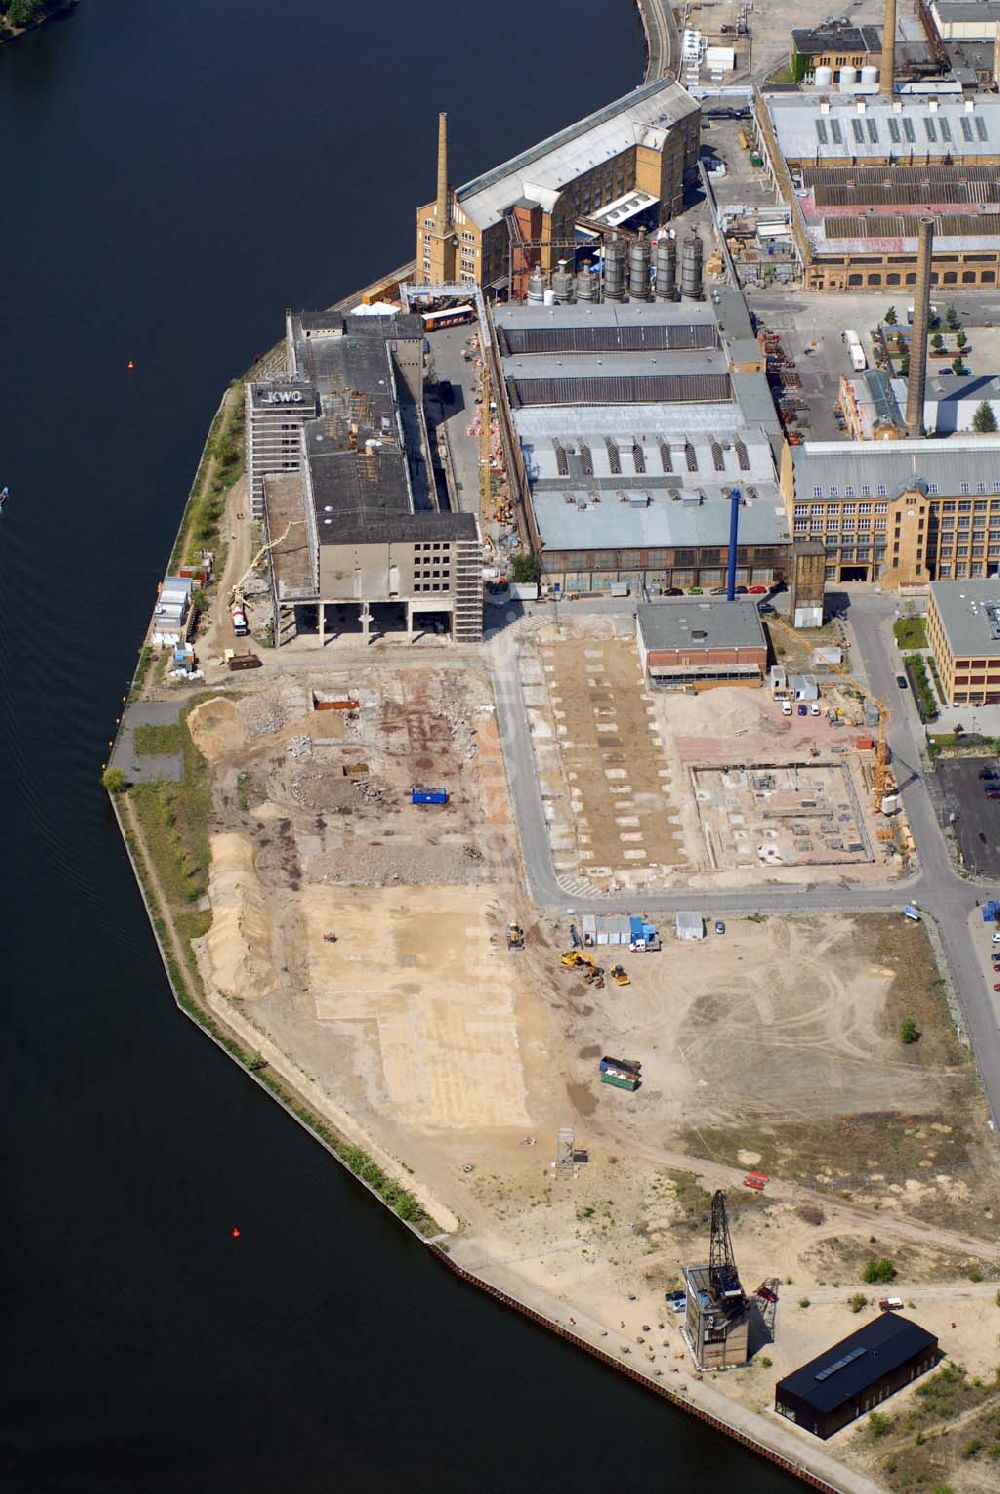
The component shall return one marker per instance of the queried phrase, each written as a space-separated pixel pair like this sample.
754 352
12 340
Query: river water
174 175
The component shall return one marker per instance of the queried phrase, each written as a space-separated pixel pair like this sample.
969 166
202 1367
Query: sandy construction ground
631 783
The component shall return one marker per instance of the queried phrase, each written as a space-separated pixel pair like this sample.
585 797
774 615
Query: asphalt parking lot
977 819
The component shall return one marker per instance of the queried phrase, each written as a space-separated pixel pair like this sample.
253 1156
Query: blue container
635 928
429 796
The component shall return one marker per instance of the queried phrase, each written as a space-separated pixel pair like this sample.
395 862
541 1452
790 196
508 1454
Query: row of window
933 489
948 277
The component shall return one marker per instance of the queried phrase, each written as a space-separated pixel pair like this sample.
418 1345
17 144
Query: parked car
902 682
674 591
720 927
996 939
814 709
717 591
803 709
765 609
757 591
786 707
992 793
987 772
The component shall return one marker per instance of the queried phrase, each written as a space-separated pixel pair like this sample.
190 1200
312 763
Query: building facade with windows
649 140
857 171
963 630
898 512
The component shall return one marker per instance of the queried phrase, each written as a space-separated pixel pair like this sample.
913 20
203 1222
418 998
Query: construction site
645 788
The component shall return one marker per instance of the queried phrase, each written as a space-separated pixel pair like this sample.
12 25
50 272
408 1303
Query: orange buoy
235 1231
130 365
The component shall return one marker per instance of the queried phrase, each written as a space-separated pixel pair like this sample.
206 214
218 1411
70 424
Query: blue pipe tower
735 498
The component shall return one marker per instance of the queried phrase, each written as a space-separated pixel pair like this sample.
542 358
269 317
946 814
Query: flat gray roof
968 10
570 519
701 623
970 616
883 469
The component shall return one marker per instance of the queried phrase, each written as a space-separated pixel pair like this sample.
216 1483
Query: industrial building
522 214
857 172
717 1310
631 424
898 512
963 630
833 47
364 533
873 404
856 1375
696 643
965 20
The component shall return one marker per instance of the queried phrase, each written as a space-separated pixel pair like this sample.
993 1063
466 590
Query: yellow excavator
515 936
574 960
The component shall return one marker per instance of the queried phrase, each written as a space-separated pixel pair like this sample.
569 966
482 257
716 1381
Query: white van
786 707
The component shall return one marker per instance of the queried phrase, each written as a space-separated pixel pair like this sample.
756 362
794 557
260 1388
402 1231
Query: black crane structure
724 1279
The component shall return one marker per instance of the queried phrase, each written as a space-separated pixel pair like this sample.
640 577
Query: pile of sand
217 729
237 948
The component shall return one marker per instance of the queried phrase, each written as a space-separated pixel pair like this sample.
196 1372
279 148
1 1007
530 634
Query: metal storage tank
548 296
869 74
847 77
585 288
536 287
614 269
638 268
666 269
562 282
824 77
692 268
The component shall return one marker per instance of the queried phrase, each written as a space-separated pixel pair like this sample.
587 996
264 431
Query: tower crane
485 443
881 777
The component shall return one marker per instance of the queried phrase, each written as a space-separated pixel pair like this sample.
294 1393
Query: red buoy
235 1232
130 365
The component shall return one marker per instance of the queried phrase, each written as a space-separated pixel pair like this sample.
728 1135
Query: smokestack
887 69
734 539
443 206
921 321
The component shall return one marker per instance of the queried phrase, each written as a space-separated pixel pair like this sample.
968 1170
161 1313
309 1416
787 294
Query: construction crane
881 776
723 1276
237 598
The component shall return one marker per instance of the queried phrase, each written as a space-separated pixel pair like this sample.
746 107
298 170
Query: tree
858 1301
961 339
20 12
984 421
904 366
957 366
114 780
951 318
524 566
909 1032
937 341
890 317
879 1269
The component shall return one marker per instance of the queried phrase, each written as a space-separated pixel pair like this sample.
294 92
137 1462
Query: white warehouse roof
832 127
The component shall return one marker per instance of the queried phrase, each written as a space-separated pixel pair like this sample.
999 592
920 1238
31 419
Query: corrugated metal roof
644 116
636 339
663 523
877 1349
902 226
819 127
617 389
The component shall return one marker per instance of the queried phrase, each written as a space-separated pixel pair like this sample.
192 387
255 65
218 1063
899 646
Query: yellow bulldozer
620 975
574 960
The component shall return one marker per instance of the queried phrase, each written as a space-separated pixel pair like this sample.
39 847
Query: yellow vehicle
515 936
574 960
620 975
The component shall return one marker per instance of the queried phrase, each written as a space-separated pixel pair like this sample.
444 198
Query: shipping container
428 796
244 661
629 1065
619 1079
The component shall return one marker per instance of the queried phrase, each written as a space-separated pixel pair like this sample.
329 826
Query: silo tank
869 74
585 283
614 270
638 269
848 77
562 282
692 262
824 77
536 287
666 269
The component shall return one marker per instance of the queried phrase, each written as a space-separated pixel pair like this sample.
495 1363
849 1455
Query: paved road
936 886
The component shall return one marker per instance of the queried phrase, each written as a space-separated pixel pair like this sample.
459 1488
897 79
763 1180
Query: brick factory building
699 642
649 140
631 423
963 630
858 169
898 512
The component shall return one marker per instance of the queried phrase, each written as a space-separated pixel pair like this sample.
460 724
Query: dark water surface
174 172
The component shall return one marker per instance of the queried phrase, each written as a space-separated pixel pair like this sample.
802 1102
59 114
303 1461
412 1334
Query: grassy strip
199 526
910 632
916 671
180 852
161 740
